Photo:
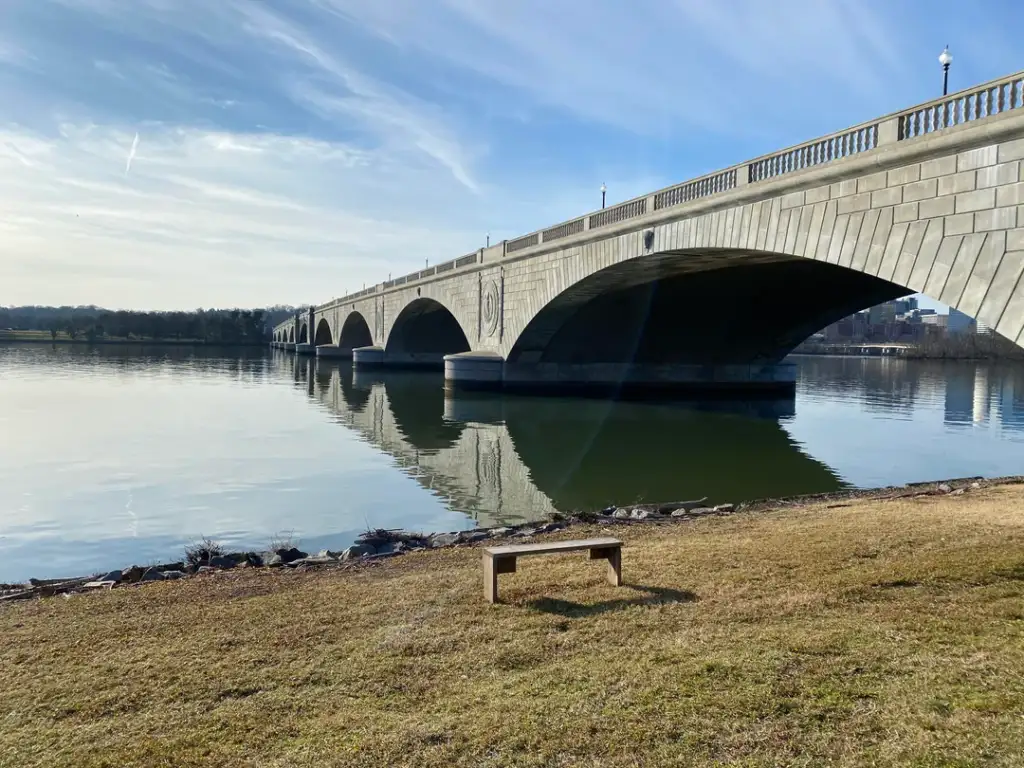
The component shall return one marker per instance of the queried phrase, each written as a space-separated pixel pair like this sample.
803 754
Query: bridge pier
288 346
377 357
634 379
473 372
368 357
305 348
333 351
482 371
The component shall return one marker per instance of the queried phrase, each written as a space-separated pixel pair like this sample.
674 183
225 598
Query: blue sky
291 150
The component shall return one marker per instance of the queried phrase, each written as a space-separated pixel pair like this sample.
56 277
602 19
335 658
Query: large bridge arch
756 280
291 335
687 308
355 332
303 334
423 333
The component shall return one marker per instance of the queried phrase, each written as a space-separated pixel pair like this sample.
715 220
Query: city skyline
239 154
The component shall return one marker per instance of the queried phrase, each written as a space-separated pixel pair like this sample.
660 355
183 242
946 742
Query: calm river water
112 456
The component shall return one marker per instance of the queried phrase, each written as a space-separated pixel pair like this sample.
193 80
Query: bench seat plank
520 550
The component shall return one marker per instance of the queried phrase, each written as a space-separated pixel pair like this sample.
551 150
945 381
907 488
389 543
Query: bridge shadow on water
505 459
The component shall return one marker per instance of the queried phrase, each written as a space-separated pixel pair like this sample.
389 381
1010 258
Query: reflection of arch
322 374
595 453
417 404
354 398
291 335
355 332
425 331
678 308
323 333
303 334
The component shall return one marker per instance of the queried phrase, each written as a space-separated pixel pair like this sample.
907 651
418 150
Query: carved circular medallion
489 307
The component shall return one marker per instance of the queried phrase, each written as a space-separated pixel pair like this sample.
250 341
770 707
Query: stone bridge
504 460
712 282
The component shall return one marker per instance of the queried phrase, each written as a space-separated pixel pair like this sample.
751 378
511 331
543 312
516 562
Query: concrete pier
305 349
614 379
480 371
333 351
368 357
473 371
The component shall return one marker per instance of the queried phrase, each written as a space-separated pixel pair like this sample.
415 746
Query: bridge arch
323 333
747 284
291 335
303 334
424 332
355 332
676 309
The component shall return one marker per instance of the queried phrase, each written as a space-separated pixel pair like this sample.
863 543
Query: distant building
960 323
881 314
904 306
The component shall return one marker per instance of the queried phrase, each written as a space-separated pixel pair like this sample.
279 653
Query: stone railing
813 153
982 101
692 190
618 213
519 243
568 229
963 107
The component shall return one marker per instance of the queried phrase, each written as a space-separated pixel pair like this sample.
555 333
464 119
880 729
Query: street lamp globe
603 188
945 58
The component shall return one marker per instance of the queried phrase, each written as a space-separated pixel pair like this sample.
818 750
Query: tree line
968 346
211 326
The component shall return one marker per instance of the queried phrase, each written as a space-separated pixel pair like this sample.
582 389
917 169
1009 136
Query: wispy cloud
131 154
196 221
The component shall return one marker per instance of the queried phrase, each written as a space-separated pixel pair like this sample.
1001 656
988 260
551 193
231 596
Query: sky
173 154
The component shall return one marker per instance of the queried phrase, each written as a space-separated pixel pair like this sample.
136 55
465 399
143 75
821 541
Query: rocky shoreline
374 546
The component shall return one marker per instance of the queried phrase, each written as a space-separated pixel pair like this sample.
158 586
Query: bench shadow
652 596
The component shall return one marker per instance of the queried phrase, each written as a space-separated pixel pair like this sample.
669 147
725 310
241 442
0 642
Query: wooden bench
503 559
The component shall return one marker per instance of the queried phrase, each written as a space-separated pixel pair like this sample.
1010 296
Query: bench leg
615 567
490 580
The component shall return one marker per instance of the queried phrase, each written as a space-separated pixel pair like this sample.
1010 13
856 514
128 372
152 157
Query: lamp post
604 190
945 59
488 239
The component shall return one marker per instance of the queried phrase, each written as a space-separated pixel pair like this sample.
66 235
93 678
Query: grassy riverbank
862 632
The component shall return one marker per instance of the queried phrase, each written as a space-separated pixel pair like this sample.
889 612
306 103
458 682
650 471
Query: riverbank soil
870 632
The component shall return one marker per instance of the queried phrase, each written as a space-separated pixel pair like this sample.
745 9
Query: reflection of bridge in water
509 459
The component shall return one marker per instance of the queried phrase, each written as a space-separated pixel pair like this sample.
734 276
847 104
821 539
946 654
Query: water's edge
376 545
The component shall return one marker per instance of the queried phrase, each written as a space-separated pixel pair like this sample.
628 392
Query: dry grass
880 633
